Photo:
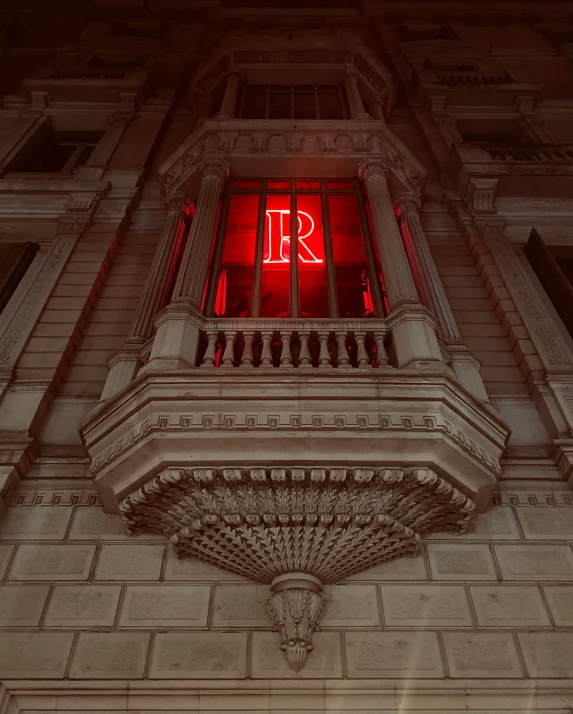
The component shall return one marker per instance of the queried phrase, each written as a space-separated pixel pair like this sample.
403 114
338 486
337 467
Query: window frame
316 92
294 304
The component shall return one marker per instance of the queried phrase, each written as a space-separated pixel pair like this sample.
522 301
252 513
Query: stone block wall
82 600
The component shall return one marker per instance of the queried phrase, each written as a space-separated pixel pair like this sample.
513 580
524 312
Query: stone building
286 356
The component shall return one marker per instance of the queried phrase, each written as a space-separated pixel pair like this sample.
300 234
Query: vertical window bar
243 96
342 107
259 251
267 108
218 254
330 272
294 289
370 254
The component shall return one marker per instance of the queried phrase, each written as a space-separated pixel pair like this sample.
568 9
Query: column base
467 370
176 338
414 338
123 366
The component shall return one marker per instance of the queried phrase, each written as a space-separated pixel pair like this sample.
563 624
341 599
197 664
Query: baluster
304 359
361 353
324 356
247 358
343 360
229 353
286 356
381 354
210 352
266 354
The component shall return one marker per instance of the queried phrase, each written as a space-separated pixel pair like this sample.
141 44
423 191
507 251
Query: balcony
520 170
87 84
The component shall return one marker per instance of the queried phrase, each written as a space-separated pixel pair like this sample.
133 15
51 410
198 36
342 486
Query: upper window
292 101
15 260
554 268
58 152
294 248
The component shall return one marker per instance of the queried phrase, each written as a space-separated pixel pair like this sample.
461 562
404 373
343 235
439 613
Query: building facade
286 357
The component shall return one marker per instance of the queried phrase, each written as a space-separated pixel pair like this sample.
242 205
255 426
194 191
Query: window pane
308 183
311 261
255 103
275 290
234 290
353 285
279 103
329 103
337 184
304 102
246 183
280 184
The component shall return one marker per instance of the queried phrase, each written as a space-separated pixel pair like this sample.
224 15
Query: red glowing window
336 273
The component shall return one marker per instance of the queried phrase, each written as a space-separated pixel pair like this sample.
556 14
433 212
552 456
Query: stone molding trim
552 349
238 139
296 528
322 696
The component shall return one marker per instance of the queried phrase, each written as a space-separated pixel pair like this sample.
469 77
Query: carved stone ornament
296 529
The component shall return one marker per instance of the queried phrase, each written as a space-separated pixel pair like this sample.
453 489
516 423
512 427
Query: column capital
372 167
215 167
179 202
406 203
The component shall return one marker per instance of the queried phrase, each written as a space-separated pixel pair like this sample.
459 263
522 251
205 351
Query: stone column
377 107
413 328
124 363
230 97
178 326
432 294
355 103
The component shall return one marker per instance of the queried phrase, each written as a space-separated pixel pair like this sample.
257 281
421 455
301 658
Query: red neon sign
277 237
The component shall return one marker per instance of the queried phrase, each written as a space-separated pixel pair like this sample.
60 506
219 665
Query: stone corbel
448 127
480 194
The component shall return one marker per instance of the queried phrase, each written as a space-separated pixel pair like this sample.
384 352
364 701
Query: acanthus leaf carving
296 528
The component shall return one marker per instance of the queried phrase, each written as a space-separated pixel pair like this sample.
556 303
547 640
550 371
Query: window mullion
370 255
316 104
267 109
328 253
218 254
294 277
292 101
71 162
259 252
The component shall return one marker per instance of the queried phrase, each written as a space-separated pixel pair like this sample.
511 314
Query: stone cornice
235 140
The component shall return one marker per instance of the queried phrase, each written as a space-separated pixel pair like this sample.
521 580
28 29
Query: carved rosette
296 529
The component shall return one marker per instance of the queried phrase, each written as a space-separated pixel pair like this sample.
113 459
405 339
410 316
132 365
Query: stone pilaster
413 332
177 327
124 363
230 97
192 274
432 294
355 102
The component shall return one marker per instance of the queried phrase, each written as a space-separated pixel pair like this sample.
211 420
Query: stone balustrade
288 344
552 153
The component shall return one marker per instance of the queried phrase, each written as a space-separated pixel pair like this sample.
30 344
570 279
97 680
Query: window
15 260
554 268
58 153
329 269
293 101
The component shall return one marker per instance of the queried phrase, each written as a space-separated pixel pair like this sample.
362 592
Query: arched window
294 248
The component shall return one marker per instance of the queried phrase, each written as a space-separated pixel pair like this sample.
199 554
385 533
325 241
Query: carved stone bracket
296 528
